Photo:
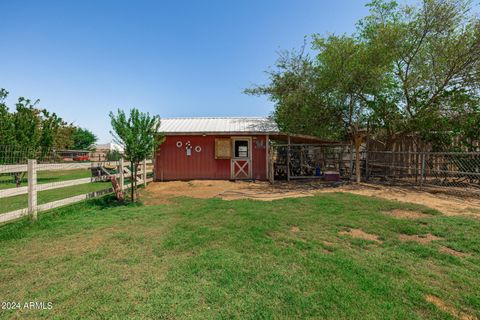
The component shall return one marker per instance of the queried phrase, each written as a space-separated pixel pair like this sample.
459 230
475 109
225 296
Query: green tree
27 127
299 107
139 137
434 52
113 155
332 95
7 136
407 70
64 137
50 125
83 139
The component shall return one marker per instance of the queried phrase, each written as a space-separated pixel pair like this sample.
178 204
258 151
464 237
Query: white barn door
241 162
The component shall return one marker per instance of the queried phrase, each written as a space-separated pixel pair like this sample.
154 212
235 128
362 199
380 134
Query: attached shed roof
218 125
232 125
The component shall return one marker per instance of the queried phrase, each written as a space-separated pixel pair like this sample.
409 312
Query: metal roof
217 125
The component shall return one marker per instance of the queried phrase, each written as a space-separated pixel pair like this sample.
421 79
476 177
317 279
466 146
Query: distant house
101 151
218 148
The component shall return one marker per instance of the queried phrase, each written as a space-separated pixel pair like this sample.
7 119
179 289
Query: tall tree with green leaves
7 136
50 125
299 106
64 137
83 139
331 95
407 70
27 123
434 52
138 134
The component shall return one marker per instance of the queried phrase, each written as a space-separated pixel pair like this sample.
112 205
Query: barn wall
259 160
172 163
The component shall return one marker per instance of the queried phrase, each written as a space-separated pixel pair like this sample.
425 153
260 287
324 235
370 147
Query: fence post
144 174
32 188
422 173
351 161
288 159
122 176
367 175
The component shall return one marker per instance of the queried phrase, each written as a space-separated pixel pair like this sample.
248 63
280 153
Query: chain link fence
453 172
449 172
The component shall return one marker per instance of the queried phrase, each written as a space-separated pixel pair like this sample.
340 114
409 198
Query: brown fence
456 172
451 172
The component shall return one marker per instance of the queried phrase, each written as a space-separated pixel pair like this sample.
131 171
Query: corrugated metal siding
172 163
218 125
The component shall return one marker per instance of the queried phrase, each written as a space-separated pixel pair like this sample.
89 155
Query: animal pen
451 172
323 161
35 182
447 172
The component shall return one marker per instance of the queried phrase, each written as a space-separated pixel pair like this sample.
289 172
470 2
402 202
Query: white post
121 178
144 169
32 188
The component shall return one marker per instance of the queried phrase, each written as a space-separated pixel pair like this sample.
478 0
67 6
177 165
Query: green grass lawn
21 201
204 259
8 180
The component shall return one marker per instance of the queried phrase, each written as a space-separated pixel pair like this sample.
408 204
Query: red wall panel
172 162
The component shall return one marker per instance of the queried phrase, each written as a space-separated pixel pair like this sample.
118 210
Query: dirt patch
420 239
453 252
406 214
163 192
440 304
294 229
360 234
447 204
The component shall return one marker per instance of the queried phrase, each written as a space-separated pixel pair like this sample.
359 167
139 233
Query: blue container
317 171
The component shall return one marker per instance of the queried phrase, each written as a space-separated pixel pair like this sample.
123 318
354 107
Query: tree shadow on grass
107 202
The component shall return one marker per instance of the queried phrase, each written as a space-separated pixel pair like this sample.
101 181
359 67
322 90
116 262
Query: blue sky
83 59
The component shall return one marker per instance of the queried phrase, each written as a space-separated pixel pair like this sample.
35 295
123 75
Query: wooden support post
32 188
422 176
351 161
121 178
367 175
288 159
358 170
267 157
144 174
154 162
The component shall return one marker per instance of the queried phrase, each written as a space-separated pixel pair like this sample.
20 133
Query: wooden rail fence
32 167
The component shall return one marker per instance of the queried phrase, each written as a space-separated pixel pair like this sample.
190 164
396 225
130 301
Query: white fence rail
33 188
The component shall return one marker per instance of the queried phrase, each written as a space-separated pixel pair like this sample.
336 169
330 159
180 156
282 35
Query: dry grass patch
440 304
406 214
360 234
447 204
420 239
453 252
294 229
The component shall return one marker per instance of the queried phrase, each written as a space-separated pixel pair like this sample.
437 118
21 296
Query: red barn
216 148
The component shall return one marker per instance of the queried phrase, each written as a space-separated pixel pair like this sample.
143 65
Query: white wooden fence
32 167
